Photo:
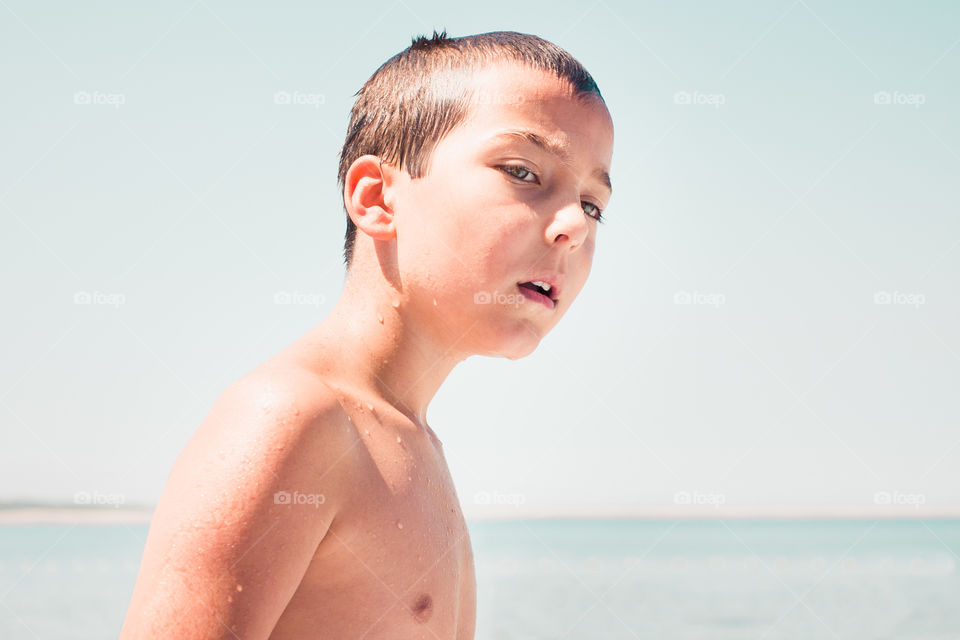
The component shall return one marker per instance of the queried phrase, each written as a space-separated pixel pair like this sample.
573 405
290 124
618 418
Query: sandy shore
47 515
53 515
724 512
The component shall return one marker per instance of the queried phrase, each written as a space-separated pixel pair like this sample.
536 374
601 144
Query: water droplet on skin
379 317
434 302
396 304
239 587
398 439
399 525
366 432
370 406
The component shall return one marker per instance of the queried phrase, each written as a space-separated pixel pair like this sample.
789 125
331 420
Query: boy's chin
518 355
511 346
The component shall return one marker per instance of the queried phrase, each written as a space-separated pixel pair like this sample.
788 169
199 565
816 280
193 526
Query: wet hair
422 93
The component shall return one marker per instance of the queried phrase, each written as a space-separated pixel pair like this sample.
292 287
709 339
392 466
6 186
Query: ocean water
718 580
545 579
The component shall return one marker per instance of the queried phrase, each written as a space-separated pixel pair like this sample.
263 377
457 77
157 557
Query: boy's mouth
542 288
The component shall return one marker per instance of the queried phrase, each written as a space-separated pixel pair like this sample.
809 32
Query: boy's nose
570 222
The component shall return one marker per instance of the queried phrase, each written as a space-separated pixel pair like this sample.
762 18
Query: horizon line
57 513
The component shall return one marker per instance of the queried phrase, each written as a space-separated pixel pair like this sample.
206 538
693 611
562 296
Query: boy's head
420 94
473 165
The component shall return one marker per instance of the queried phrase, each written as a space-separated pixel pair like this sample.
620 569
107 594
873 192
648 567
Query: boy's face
497 210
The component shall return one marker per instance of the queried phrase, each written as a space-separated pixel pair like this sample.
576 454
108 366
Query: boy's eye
519 172
597 213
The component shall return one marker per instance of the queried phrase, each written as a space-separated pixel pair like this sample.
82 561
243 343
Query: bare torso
397 560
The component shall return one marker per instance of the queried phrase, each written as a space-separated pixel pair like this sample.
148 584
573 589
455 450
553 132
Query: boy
314 501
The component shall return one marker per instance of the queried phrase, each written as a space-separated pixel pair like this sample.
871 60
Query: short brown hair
419 95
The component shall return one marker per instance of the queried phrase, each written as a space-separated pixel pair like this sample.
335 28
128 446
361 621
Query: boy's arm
224 556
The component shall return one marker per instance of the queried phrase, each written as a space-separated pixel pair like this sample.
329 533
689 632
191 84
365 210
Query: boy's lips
532 293
554 280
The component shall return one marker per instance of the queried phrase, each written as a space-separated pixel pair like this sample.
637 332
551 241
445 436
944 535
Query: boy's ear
367 191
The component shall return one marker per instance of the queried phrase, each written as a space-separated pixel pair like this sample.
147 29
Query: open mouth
538 293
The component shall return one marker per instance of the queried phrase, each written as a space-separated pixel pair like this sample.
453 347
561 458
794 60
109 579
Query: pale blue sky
776 164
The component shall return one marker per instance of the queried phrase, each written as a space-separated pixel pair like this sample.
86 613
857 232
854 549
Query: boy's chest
397 561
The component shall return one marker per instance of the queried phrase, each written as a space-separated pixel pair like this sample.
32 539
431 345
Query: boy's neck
369 343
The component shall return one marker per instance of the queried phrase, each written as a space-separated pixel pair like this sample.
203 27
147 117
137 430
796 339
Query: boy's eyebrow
554 148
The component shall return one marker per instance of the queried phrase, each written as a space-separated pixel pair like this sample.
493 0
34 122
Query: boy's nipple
422 608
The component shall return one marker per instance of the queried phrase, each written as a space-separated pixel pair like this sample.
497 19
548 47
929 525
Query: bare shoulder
247 503
293 402
275 419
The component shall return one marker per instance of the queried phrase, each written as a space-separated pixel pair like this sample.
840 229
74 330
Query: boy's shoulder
248 500
286 391
287 395
279 416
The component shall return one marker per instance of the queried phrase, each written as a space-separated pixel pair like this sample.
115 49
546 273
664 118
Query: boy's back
336 521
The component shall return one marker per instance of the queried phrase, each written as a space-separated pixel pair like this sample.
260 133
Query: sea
580 578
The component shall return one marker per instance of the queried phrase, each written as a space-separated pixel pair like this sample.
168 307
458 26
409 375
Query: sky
770 325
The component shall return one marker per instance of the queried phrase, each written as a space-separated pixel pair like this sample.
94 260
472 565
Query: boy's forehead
513 97
511 83
516 91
